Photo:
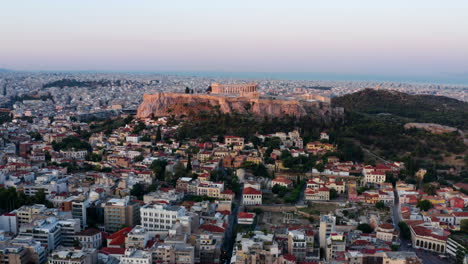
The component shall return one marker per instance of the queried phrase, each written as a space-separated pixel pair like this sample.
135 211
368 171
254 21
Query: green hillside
414 108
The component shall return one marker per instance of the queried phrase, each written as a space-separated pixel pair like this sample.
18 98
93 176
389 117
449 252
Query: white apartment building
159 217
74 154
372 176
132 138
46 231
73 256
89 238
137 238
136 257
251 196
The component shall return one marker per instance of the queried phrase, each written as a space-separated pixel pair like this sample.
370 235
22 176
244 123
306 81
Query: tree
145 138
390 177
350 151
93 157
258 211
333 194
365 228
36 136
320 167
106 169
76 243
279 190
395 247
257 169
71 142
429 189
404 230
138 190
159 168
424 205
138 158
179 170
464 226
158 134
380 205
140 126
189 163
187 90
361 189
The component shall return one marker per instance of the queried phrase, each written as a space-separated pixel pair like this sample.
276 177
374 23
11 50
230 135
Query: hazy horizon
294 76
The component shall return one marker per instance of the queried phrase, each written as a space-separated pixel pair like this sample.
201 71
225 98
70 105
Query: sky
398 37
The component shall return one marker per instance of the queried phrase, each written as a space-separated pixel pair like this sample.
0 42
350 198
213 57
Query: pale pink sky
362 36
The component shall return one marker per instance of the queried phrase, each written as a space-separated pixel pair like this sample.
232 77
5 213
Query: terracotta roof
112 251
461 185
283 180
212 228
461 214
8 214
123 231
245 215
422 231
227 191
88 232
250 190
289 257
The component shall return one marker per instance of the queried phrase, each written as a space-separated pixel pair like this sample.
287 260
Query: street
405 245
229 238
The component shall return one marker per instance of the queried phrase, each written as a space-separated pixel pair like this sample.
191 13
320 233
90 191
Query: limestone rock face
165 104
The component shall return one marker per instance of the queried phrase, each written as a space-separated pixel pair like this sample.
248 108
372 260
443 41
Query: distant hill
414 108
75 83
4 70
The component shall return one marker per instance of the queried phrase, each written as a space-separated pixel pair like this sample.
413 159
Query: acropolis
248 89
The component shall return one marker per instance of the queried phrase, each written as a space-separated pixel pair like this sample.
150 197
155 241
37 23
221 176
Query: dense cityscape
85 180
234 132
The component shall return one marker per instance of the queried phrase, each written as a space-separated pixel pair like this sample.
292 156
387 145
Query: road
374 155
405 245
229 238
301 200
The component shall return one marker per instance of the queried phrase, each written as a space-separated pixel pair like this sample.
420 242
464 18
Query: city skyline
393 39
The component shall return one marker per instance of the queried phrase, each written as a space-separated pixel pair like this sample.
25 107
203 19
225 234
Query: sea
450 79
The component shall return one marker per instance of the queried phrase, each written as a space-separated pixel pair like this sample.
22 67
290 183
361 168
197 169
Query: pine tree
189 163
158 134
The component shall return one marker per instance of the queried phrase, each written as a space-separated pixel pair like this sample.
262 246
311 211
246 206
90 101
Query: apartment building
121 212
89 238
251 196
133 256
73 256
137 238
327 226
160 217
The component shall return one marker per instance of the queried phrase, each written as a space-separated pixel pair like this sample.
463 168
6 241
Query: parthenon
248 89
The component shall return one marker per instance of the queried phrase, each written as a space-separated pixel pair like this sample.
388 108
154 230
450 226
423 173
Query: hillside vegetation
415 108
375 119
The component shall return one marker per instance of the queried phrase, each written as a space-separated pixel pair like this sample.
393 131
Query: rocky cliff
164 104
